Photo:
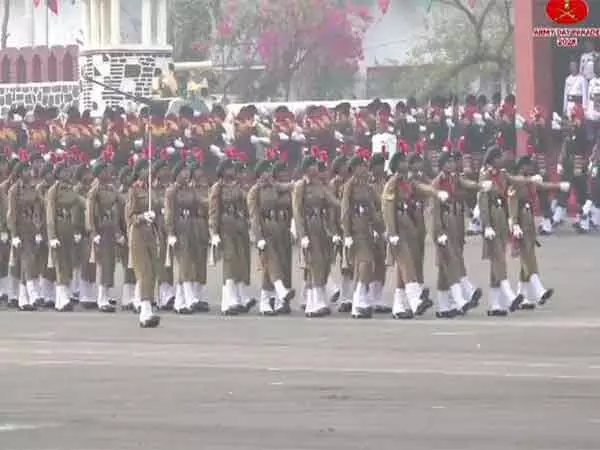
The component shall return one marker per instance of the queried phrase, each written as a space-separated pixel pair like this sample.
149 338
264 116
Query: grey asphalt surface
86 381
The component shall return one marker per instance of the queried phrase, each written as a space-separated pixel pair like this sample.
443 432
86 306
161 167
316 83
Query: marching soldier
313 206
62 205
494 218
103 225
144 242
46 282
397 201
25 223
228 224
521 201
270 227
8 281
361 228
575 92
129 300
456 294
378 181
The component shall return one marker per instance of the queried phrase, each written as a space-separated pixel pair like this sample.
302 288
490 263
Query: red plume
345 149
363 153
323 156
420 147
198 154
314 152
108 154
23 155
272 154
448 145
536 113
231 153
530 150
164 155
462 143
500 139
402 146
577 112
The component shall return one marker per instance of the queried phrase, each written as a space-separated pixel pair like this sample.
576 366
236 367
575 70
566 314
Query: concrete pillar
103 23
94 36
161 22
86 22
147 38
30 23
115 22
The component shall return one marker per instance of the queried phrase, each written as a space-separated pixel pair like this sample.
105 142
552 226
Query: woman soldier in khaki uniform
104 227
378 181
494 219
361 229
84 276
62 205
25 223
448 236
397 198
129 299
143 242
181 206
228 224
521 201
46 282
271 232
201 187
12 273
314 207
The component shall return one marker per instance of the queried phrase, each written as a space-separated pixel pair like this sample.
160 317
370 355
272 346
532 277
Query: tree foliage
464 38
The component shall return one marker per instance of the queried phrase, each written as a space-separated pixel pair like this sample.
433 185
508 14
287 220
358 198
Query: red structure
542 66
39 64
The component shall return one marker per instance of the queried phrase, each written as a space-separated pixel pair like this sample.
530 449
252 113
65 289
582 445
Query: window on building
6 69
68 67
36 69
21 70
52 68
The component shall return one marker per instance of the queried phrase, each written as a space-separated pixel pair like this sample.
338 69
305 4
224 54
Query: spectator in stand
588 60
575 89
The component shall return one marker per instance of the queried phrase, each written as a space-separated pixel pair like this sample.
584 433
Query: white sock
145 310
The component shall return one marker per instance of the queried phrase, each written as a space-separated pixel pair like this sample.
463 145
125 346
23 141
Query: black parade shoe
405 315
88 306
425 305
335 297
13 303
382 309
169 305
201 307
425 293
233 311
516 302
112 301
270 313
39 302
185 311
546 296
128 307
303 307
108 309
49 305
446 314
284 310
3 298
27 308
497 313
245 309
151 322
579 228
345 307
292 293
363 313
323 312
526 306
67 308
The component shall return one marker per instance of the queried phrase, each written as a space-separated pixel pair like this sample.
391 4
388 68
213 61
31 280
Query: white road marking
452 333
11 427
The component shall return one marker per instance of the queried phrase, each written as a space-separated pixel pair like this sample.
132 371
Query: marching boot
166 297
361 308
470 292
595 217
76 286
103 303
148 318
400 307
13 292
281 307
511 300
246 301
265 307
201 305
63 299
524 288
230 305
88 296
25 302
418 304
283 296
33 294
127 294
181 301
445 306
316 305
376 293
545 228
540 294
461 305
346 294
497 308
333 290
558 217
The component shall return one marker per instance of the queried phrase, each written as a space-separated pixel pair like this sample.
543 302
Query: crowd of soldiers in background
169 194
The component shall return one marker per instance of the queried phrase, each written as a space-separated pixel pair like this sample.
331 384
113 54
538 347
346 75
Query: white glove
77 238
283 137
178 143
422 128
410 119
443 196
486 185
559 169
97 143
556 125
97 239
517 231
171 240
348 242
293 229
138 143
565 186
489 233
264 140
394 240
537 179
375 235
16 242
478 119
487 115
215 240
254 140
121 239
594 171
38 238
336 239
449 123
298 137
305 242
215 150
4 237
449 111
261 244
54 243
149 216
442 239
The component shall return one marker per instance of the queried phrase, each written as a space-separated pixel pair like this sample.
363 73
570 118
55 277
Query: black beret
139 165
278 166
415 158
224 165
355 161
58 168
397 158
19 167
309 161
494 152
336 165
378 159
46 169
263 166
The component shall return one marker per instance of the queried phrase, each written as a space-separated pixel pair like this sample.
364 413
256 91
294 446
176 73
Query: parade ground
88 381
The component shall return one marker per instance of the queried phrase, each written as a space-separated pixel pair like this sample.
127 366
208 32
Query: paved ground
86 381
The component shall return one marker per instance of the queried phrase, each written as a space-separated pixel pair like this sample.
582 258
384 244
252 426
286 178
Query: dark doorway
52 68
36 69
21 70
6 69
68 67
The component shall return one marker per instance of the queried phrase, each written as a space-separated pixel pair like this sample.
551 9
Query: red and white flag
52 5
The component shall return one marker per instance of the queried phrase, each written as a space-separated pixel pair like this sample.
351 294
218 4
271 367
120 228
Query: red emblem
567 12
